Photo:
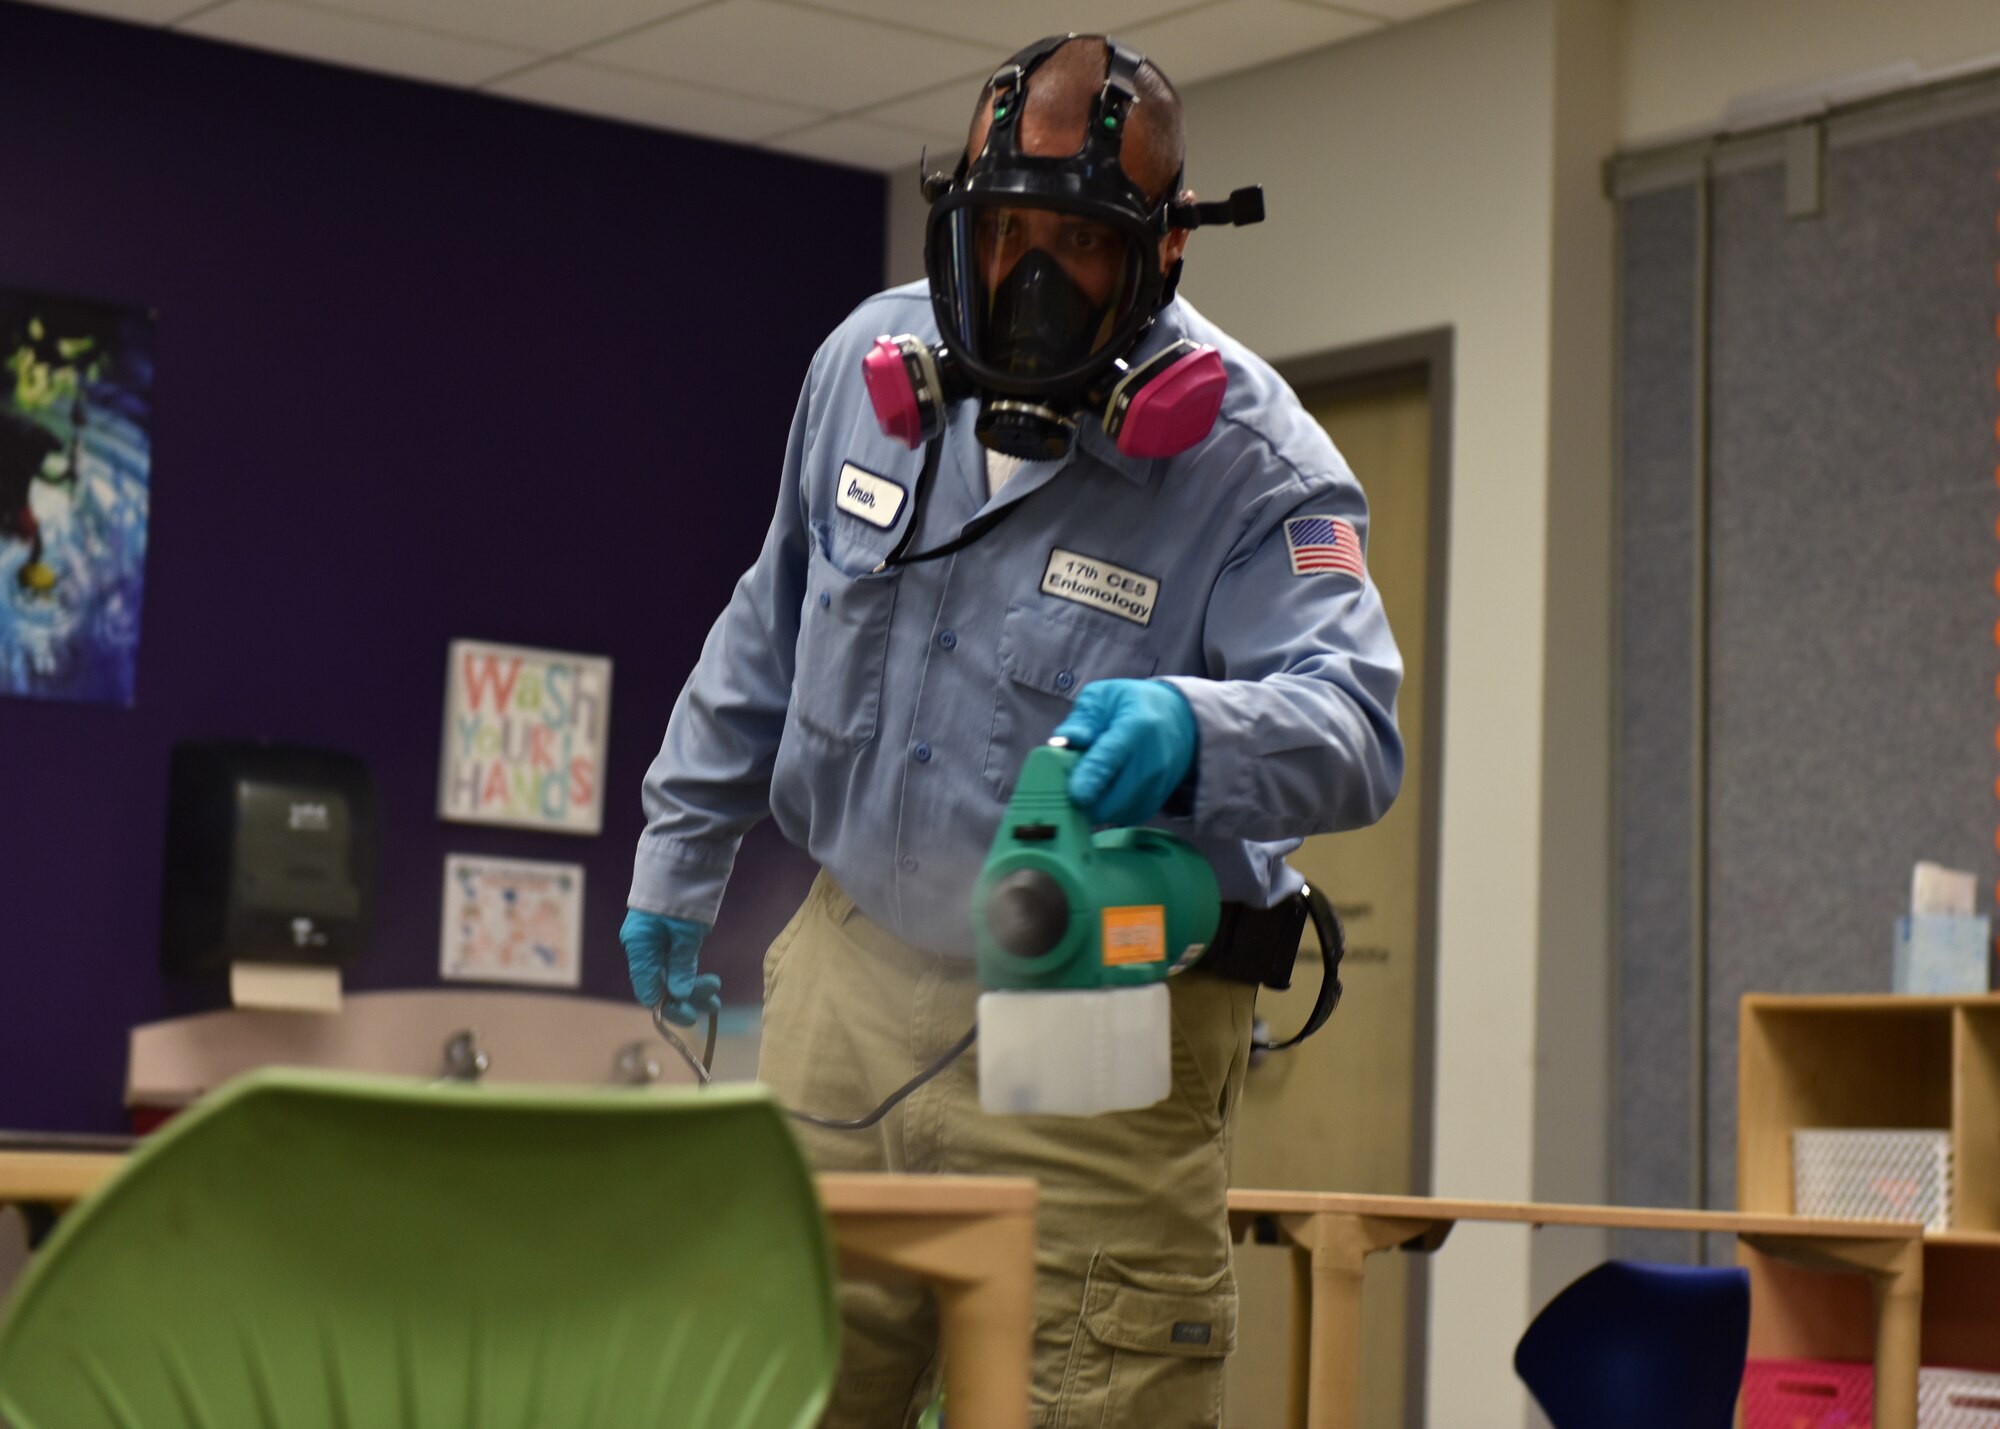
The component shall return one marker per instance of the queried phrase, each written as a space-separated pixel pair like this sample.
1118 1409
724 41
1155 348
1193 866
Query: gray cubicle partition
1807 585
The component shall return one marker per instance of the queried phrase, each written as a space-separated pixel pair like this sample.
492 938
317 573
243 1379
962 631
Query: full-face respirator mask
1045 276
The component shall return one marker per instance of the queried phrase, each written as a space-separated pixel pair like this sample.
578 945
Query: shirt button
1064 680
824 600
923 754
909 863
949 640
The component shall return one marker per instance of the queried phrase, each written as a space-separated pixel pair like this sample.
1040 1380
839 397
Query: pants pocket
1211 1043
1149 1349
774 956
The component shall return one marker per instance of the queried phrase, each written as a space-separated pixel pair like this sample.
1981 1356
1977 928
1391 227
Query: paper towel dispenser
269 857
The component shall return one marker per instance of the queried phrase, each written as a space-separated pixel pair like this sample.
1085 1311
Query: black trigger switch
1034 833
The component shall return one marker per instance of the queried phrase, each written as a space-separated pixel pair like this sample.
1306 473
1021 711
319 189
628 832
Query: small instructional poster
524 738
512 920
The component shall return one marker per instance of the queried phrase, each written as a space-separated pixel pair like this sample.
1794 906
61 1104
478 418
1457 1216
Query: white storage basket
1873 1175
1957 1399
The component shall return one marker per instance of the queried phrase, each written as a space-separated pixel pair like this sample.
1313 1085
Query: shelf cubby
1874 1061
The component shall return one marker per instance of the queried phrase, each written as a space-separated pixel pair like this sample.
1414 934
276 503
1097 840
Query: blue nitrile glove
1141 738
660 954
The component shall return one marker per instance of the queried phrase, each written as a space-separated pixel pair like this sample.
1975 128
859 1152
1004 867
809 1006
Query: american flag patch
1324 543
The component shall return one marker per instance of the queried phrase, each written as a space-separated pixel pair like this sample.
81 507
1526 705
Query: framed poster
512 920
524 738
76 459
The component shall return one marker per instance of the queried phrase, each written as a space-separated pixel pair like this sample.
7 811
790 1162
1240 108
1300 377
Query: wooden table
1332 1236
971 1239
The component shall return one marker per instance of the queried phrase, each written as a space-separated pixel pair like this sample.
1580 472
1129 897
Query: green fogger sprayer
1077 932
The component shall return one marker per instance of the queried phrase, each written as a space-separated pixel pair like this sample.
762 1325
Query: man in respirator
1036 495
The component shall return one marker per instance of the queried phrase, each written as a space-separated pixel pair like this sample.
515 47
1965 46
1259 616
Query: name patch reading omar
1101 585
875 499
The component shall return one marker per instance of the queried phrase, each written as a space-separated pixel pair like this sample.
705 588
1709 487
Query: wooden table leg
1899 1316
1299 1342
1896 1270
993 1319
983 1274
1330 1251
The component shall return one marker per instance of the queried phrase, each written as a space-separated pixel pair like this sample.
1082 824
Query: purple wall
430 365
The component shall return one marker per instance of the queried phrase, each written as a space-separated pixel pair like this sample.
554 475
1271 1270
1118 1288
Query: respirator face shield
1046 271
1037 296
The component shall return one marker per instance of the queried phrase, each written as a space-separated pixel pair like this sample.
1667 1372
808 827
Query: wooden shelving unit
1874 1061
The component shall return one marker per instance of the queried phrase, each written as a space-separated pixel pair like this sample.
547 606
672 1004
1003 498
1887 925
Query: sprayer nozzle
1027 913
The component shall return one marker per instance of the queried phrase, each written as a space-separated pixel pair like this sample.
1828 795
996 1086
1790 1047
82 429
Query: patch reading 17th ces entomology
1101 585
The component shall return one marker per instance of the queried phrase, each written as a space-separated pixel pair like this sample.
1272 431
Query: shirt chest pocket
843 640
1045 658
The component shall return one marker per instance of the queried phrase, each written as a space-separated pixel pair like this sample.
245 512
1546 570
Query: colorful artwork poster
76 458
524 738
511 920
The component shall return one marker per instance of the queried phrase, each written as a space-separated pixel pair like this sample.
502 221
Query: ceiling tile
859 143
1390 9
862 82
660 103
1237 34
530 24
943 109
346 40
825 61
138 12
1005 28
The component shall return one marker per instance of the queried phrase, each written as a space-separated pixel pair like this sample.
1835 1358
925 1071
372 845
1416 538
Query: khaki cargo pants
1135 1301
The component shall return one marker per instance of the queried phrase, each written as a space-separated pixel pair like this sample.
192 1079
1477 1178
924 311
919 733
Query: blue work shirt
881 716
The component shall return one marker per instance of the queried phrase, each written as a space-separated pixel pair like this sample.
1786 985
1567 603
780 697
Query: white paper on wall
512 920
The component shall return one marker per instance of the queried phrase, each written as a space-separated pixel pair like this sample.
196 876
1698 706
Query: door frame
1357 371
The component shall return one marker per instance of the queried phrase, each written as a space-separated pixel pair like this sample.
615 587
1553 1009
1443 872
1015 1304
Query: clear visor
1037 293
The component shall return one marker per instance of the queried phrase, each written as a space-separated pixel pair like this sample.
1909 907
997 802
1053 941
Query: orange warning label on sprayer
1135 935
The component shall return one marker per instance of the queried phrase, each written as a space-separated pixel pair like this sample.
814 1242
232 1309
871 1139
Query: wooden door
1343 1112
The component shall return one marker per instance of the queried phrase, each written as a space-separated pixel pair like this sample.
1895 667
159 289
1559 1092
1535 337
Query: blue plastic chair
1641 1346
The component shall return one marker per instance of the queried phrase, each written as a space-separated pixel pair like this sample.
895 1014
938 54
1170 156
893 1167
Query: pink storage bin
1808 1394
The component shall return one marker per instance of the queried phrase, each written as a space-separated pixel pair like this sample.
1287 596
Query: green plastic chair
306 1251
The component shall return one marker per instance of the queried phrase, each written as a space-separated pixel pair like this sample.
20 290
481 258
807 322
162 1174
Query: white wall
1573 969
1686 59
1410 182
905 258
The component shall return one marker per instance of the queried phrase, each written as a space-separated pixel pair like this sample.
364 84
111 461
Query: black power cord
952 1054
700 1066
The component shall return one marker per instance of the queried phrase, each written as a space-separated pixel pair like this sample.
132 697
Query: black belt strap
1261 946
1332 949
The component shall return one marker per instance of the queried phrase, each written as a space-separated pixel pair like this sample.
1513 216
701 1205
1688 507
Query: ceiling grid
867 83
